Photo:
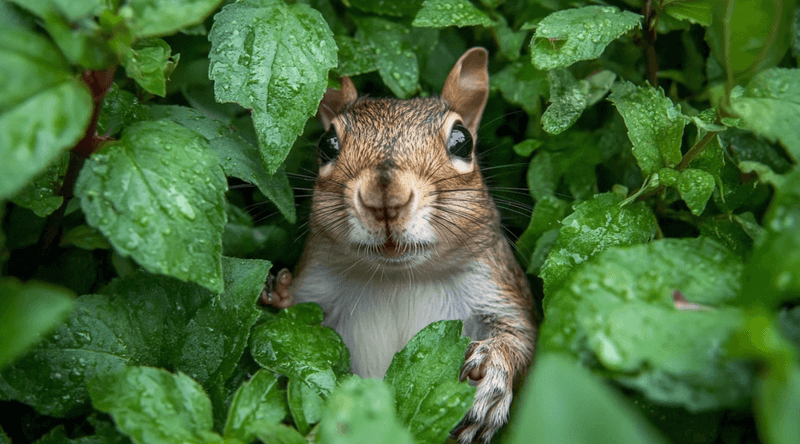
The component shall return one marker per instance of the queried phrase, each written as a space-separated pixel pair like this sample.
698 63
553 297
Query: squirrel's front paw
276 291
490 368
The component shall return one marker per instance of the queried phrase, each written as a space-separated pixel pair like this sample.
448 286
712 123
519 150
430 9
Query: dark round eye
328 146
459 144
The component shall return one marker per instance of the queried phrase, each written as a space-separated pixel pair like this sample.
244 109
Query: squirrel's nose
385 205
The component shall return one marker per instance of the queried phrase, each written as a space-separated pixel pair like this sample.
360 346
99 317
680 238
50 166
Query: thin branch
696 150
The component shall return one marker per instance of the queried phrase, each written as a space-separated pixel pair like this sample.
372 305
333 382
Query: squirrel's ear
467 87
335 100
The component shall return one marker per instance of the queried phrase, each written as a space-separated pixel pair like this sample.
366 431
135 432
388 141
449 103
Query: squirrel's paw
276 291
487 365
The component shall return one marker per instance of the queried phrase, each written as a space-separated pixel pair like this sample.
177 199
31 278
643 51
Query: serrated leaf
565 37
424 374
655 125
695 187
443 13
149 18
305 404
675 356
272 58
238 157
594 226
158 195
522 84
27 312
150 63
294 344
257 401
596 412
143 319
693 11
153 406
41 195
770 106
396 9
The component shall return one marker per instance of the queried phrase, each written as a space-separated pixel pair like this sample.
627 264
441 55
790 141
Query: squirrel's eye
459 143
328 146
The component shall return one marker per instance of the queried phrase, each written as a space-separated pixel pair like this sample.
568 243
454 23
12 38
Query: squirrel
405 233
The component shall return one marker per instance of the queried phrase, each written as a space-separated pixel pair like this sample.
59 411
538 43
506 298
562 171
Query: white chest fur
376 315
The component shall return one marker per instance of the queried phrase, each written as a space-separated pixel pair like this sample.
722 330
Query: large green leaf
443 13
594 226
143 319
770 105
675 356
257 401
655 125
360 412
158 195
153 406
580 409
148 18
238 157
424 374
565 37
272 58
27 312
294 344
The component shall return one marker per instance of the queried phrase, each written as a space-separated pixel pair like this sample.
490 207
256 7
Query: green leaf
546 216
565 37
527 147
594 226
104 433
149 18
41 195
150 63
655 125
143 319
28 311
675 356
771 273
695 187
272 58
153 406
570 97
86 237
294 344
278 434
355 56
396 9
509 40
444 13
305 404
43 108
362 411
522 84
120 109
424 374
770 106
694 11
395 48
158 196
573 159
580 409
238 157
257 401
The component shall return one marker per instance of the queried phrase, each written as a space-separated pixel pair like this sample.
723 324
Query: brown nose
385 205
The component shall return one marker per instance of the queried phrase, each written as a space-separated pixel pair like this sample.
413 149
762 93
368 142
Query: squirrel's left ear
467 87
335 100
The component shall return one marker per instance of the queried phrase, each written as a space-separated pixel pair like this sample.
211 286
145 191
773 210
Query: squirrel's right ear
467 87
335 100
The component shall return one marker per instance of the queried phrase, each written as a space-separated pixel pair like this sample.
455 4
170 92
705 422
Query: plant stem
696 150
649 32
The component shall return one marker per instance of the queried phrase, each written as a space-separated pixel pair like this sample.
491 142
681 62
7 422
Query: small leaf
522 84
362 411
444 13
272 58
148 18
655 125
770 105
396 9
27 312
565 37
154 406
424 374
257 401
695 187
694 11
294 344
158 196
120 109
150 63
589 410
527 147
509 41
567 102
41 195
86 237
305 404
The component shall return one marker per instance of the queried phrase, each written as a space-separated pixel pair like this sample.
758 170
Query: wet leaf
523 85
383 7
294 344
546 216
27 312
42 194
150 63
694 11
565 37
443 13
257 401
148 18
424 375
676 356
594 226
305 404
272 58
355 56
158 195
695 187
655 125
120 109
569 97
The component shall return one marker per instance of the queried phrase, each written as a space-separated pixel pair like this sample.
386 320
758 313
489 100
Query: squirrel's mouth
391 249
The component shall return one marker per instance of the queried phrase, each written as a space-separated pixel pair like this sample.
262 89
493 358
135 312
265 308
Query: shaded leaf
305 404
523 85
443 13
396 9
42 194
147 18
256 402
695 187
